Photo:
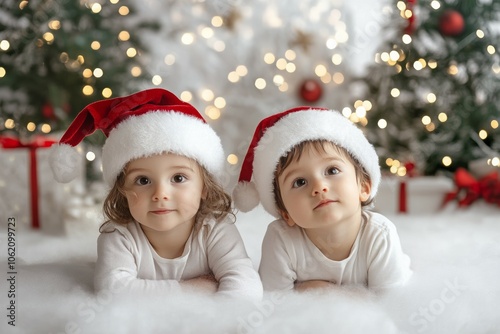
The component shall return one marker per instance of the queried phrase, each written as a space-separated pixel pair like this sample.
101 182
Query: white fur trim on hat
158 132
300 126
65 162
246 196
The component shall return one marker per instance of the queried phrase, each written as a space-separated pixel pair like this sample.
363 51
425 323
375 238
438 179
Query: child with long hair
317 174
168 225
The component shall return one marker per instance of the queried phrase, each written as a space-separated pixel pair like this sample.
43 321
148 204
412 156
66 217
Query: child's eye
178 178
332 171
142 180
299 183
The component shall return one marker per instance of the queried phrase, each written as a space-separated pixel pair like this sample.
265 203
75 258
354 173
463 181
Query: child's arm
388 265
116 271
230 264
276 268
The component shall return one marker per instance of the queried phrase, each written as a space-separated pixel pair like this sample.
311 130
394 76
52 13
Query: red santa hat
276 135
143 124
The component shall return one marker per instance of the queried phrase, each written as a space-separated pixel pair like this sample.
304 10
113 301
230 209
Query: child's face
164 191
321 189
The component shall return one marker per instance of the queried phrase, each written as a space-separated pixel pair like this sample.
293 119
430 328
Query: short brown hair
319 146
217 203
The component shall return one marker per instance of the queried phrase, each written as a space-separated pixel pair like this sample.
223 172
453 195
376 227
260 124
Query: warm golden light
31 126
207 95
241 70
186 96
169 59
123 10
48 37
54 24
106 93
136 71
156 80
260 83
483 134
290 55
46 128
9 123
212 112
220 102
382 123
217 21
87 90
123 36
435 4
187 38
131 52
233 77
269 58
232 159
442 117
446 161
4 45
338 78
98 72
320 70
96 7
431 98
337 59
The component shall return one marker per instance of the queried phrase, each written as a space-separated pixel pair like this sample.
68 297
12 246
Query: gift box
28 191
412 195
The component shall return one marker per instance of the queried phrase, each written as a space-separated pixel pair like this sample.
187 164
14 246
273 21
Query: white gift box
423 194
17 190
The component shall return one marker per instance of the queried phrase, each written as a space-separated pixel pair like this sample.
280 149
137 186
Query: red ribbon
469 189
33 145
410 27
403 197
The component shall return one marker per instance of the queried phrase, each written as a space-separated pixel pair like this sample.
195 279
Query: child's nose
319 186
160 192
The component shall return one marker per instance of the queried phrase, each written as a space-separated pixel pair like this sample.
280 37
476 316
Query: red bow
37 142
470 189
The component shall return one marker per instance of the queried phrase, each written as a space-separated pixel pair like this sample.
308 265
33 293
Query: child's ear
364 194
286 217
204 193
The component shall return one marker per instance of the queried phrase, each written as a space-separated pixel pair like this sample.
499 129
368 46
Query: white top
376 259
127 262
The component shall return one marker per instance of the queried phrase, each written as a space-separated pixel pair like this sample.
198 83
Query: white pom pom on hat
143 124
276 135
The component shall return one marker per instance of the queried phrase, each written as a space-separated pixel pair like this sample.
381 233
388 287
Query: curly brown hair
319 146
217 204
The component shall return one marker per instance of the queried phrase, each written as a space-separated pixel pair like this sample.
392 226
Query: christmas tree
58 56
238 61
432 100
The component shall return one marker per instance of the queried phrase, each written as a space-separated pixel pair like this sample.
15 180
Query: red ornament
311 90
451 23
48 111
410 168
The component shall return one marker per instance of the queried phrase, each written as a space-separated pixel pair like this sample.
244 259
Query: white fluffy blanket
455 289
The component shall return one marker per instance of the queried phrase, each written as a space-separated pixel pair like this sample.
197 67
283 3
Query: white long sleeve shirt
376 259
126 261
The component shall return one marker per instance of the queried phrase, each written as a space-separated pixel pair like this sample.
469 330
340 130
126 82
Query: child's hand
312 285
205 283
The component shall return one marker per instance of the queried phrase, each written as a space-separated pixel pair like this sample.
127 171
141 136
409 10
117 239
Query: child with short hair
317 174
168 227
